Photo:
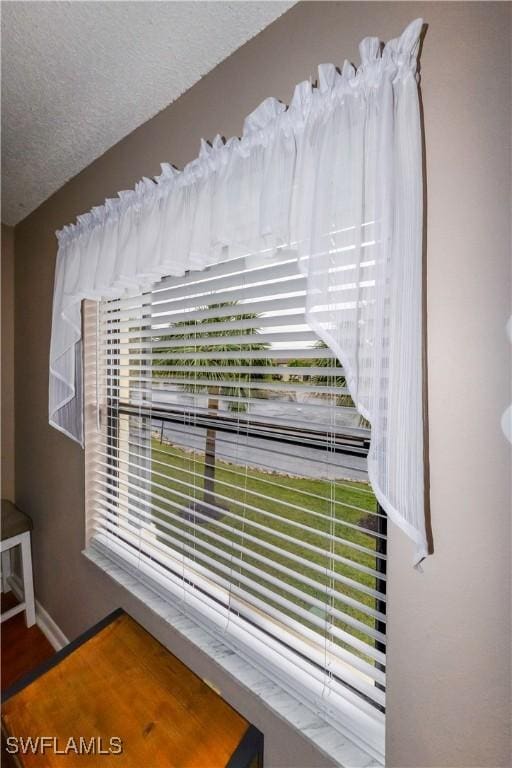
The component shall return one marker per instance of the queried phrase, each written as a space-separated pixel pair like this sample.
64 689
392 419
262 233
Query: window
228 463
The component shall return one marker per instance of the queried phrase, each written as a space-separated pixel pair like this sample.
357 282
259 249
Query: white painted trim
6 615
13 541
44 621
49 628
6 546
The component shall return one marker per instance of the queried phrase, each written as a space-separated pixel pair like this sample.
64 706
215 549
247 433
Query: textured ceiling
78 76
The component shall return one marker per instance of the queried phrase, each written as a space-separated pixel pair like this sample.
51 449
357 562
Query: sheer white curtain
336 178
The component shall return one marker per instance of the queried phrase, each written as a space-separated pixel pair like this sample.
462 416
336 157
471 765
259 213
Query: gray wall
7 370
449 630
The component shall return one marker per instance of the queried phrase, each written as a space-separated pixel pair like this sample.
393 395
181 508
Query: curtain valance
334 178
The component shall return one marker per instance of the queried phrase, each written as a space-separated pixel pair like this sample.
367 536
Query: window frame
359 447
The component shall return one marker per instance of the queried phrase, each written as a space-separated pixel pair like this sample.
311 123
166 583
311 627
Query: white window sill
329 738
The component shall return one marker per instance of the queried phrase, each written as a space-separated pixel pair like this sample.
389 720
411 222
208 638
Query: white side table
16 528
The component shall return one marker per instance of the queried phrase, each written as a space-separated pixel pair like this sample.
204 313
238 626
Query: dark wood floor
22 649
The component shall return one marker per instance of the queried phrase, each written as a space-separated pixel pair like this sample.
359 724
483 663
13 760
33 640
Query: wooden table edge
58 656
250 746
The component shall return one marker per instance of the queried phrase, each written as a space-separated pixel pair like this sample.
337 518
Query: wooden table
117 682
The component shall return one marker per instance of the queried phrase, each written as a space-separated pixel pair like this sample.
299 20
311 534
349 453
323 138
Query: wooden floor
22 649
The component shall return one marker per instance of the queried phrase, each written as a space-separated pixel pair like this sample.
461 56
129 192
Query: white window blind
230 464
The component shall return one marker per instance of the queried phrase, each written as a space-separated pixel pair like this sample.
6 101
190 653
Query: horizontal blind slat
294 507
287 387
116 330
103 448
254 585
214 509
279 599
167 518
274 370
276 305
168 342
233 354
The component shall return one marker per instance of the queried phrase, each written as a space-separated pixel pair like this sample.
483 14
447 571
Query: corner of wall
7 363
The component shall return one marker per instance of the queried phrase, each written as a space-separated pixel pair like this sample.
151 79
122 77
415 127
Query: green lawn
329 509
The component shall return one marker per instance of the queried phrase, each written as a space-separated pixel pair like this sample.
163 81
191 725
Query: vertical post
210 450
113 373
94 408
28 583
380 585
6 570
